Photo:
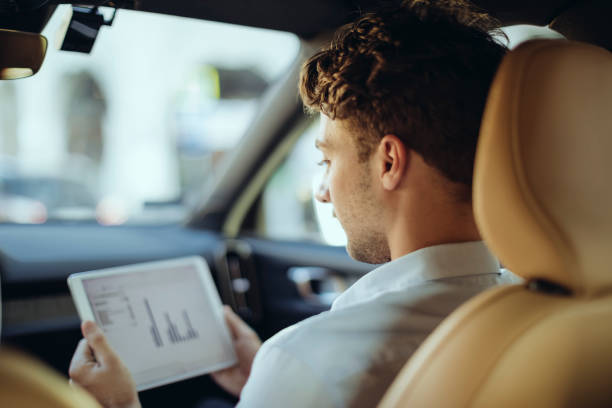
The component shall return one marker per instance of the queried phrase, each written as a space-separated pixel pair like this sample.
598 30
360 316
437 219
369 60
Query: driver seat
543 203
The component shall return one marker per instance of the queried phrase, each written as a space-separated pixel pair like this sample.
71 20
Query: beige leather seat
26 383
543 201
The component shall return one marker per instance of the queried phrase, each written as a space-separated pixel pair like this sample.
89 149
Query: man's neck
425 223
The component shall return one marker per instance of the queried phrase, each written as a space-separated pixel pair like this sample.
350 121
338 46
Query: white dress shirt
348 356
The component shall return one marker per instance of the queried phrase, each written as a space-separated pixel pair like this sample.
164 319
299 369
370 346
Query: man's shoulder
356 351
410 309
393 313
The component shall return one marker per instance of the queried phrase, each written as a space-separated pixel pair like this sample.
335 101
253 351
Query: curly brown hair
420 71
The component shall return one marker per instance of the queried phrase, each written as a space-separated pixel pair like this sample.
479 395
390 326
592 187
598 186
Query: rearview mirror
21 53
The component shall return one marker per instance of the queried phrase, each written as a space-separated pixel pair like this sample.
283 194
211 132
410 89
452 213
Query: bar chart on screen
173 332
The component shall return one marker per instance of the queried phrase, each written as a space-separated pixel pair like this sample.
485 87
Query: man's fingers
81 362
237 327
220 375
230 320
97 341
84 351
225 371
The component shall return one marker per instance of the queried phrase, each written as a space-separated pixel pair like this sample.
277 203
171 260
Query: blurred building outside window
134 129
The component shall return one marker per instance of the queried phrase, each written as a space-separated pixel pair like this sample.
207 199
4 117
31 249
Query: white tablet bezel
75 284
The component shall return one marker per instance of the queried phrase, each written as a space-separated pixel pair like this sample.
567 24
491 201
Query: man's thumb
237 327
97 341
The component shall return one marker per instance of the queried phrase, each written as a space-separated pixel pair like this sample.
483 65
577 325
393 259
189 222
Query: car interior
541 196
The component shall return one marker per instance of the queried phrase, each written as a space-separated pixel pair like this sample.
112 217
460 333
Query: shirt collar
426 264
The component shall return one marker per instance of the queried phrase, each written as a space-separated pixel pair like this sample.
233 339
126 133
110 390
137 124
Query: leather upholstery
542 188
25 383
543 202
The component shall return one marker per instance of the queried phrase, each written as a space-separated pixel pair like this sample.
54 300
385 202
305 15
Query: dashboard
36 260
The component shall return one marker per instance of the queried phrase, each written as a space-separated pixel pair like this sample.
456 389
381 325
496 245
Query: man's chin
372 254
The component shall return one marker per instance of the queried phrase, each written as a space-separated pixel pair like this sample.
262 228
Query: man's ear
392 161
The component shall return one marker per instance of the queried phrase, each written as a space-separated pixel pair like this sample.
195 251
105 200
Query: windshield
131 132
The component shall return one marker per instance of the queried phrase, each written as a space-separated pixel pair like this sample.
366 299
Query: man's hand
96 367
246 343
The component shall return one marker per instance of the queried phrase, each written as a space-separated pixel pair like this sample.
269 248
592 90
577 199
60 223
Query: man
400 93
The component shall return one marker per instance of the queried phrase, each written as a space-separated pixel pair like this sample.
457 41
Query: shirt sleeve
279 379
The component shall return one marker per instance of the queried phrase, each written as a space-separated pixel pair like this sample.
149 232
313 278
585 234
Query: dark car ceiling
310 17
581 19
586 20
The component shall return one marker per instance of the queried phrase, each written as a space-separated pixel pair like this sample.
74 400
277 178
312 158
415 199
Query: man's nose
322 193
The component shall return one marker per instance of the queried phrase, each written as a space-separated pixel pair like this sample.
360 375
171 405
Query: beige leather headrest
543 171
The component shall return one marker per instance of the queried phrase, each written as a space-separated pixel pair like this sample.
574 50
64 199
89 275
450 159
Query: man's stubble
363 223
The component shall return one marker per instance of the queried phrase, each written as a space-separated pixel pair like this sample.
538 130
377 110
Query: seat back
26 383
543 203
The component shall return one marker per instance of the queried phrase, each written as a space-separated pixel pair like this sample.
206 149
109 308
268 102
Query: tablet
164 319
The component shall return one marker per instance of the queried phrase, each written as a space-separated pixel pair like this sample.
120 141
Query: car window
131 132
288 208
520 33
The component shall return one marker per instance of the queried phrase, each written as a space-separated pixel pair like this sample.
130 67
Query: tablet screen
160 323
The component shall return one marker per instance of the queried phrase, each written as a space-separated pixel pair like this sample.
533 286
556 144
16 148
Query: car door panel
283 302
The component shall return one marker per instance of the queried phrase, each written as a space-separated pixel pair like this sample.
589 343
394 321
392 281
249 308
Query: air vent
548 287
237 279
